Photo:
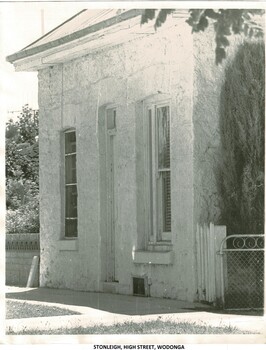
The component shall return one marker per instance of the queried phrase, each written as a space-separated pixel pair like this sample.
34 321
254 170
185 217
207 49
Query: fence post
203 280
33 270
208 262
212 262
198 259
219 235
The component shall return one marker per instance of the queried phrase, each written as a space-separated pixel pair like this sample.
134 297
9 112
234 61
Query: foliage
19 192
22 149
22 172
24 219
226 22
241 172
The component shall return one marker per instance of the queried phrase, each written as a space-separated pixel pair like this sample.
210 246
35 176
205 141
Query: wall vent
139 287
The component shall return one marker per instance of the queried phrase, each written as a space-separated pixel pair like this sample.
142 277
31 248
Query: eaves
32 51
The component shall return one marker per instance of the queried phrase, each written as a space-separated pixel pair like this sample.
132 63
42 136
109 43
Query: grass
148 327
16 309
20 310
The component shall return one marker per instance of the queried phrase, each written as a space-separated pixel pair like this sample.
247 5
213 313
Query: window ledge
67 244
161 246
154 258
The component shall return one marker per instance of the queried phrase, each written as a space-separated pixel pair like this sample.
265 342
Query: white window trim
153 226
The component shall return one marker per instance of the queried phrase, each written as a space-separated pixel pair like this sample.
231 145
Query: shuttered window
163 144
71 212
158 172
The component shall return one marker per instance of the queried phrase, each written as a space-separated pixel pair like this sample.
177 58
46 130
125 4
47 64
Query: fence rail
22 241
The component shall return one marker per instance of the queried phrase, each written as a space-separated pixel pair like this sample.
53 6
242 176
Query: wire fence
243 272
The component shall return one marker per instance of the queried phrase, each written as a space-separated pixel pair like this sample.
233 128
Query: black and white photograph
133 155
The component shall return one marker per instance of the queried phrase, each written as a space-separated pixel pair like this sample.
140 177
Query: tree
242 123
22 172
22 149
226 22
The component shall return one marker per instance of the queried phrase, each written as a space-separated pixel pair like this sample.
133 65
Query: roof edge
51 31
76 35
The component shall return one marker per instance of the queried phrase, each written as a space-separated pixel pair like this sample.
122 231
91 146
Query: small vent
139 286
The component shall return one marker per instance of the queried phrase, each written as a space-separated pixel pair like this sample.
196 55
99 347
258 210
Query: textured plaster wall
70 95
169 70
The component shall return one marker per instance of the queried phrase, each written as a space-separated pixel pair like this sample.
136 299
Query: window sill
160 246
153 257
67 244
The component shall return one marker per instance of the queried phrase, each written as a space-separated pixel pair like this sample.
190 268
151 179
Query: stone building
128 140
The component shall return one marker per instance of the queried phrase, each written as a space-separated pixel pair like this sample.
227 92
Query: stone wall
73 94
20 250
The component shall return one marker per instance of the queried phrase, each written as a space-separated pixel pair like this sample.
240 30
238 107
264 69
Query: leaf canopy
226 22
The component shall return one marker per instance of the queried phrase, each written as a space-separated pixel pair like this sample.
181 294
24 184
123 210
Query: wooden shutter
163 132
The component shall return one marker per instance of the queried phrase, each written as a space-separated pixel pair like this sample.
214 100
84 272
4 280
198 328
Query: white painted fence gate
208 241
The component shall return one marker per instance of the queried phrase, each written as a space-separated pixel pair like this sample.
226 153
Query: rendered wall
71 95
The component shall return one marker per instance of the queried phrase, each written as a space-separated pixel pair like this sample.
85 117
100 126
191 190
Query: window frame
65 184
153 180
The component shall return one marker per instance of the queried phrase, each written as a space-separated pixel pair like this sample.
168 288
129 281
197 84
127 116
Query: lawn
147 327
23 310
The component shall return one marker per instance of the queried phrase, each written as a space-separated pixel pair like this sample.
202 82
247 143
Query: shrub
242 113
24 219
22 172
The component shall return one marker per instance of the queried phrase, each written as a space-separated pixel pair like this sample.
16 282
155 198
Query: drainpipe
149 279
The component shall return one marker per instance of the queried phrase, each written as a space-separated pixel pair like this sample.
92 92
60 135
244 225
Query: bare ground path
69 309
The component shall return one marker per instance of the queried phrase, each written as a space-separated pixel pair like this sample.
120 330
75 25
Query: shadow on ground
119 304
244 312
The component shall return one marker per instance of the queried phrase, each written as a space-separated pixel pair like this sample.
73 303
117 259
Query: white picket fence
208 239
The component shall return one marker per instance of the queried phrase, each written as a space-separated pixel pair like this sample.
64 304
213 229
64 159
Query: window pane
166 199
71 227
70 142
163 124
150 169
70 169
111 116
71 201
70 185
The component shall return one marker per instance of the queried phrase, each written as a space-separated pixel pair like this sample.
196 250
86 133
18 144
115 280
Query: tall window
159 172
71 212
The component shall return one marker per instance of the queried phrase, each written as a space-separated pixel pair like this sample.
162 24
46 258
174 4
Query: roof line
73 36
51 31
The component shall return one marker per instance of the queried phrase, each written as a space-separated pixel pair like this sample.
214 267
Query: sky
20 25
